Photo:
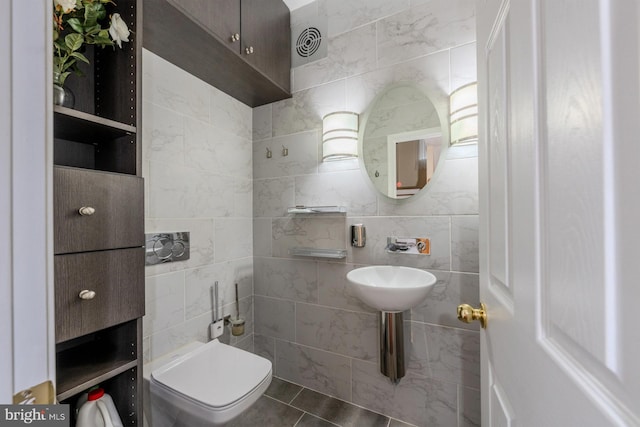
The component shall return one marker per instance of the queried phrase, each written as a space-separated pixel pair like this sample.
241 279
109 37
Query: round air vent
308 42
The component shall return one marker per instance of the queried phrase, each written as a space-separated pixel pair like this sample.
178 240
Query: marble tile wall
197 165
307 322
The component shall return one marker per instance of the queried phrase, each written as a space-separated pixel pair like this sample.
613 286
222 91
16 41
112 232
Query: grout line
450 243
458 409
294 397
330 422
315 416
299 419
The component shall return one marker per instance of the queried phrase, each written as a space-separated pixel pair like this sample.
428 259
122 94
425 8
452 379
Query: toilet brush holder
237 326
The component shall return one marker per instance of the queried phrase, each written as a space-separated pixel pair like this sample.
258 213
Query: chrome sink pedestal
391 289
392 345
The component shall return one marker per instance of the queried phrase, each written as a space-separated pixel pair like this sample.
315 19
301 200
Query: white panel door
559 96
27 344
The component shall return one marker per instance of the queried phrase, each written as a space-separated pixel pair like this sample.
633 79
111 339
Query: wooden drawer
118 201
116 277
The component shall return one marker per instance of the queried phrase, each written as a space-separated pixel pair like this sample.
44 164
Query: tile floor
285 404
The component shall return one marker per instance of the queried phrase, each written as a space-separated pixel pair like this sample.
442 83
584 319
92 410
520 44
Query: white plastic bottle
98 410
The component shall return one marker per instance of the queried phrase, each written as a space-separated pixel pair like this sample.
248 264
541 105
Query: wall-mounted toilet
203 385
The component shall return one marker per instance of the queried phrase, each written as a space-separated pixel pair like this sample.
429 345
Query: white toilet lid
216 374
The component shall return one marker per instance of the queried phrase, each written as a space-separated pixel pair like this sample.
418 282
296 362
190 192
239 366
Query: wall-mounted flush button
166 247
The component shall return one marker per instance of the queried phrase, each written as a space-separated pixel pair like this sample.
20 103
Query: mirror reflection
402 141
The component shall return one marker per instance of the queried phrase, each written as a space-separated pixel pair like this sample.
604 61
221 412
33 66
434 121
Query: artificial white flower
118 30
66 5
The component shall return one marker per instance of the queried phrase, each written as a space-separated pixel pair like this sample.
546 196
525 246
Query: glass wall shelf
301 209
319 253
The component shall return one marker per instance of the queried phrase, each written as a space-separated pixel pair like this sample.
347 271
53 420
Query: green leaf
93 30
100 11
102 41
73 41
80 56
76 25
63 77
90 15
55 35
70 63
59 46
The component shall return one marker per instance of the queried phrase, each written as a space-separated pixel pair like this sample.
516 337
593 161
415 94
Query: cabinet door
117 201
266 32
219 17
116 277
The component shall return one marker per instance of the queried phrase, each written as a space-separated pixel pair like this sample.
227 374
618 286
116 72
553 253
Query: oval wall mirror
401 141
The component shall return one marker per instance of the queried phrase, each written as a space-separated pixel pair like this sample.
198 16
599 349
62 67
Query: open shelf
89 360
316 209
80 377
319 253
120 387
79 126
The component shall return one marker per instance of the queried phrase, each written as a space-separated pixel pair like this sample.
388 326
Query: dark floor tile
396 423
267 412
309 420
282 390
337 411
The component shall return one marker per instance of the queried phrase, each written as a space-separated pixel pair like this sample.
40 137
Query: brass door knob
468 314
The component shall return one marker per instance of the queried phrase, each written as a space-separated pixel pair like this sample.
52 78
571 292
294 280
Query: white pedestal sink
392 290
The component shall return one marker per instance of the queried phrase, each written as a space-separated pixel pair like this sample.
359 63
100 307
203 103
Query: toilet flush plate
166 247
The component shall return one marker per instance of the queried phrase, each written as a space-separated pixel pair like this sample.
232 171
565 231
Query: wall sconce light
339 136
463 104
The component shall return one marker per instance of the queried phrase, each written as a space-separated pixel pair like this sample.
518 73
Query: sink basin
391 288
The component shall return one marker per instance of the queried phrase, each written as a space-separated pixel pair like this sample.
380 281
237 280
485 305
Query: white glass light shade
464 114
339 136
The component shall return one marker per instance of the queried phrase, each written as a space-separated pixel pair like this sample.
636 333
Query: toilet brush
237 324
216 328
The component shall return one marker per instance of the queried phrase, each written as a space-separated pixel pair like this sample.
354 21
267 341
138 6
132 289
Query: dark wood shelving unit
97 165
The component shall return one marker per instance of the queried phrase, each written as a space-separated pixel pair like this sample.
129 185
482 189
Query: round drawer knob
249 50
235 37
86 211
87 294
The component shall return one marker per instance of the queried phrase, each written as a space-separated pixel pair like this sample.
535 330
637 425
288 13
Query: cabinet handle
235 37
249 50
87 294
86 211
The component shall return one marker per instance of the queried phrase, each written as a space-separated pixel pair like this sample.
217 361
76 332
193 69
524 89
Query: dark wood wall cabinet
242 47
99 227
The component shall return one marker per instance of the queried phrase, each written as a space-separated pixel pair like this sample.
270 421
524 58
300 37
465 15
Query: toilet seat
214 382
